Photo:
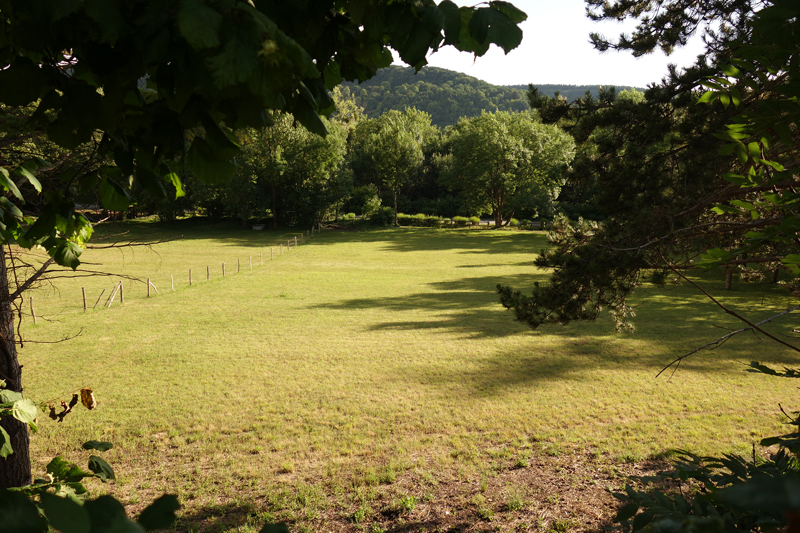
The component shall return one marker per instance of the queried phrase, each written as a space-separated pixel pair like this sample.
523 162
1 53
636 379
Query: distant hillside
445 94
571 92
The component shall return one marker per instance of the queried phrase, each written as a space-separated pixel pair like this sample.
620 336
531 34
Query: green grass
330 379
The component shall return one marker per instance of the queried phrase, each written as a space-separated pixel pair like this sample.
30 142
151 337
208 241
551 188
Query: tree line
501 164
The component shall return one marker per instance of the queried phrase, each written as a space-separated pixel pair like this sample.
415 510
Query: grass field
345 384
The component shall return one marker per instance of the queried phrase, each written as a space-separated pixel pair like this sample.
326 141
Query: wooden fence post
251 261
148 285
261 255
223 270
238 266
98 298
33 314
83 291
190 279
121 298
295 241
208 273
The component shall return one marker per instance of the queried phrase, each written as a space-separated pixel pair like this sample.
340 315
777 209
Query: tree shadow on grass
216 517
396 239
469 306
674 321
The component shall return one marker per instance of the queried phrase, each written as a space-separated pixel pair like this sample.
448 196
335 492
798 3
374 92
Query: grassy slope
365 355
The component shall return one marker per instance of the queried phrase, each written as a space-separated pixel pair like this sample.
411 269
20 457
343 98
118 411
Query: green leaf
9 207
21 83
23 171
108 516
207 165
5 444
43 228
791 259
25 411
452 21
19 514
489 25
64 471
708 96
113 196
108 17
332 75
9 396
101 468
161 513
235 64
9 185
744 205
199 24
736 96
515 15
65 514
175 180
67 254
626 512
741 153
754 150
308 117
101 446
222 142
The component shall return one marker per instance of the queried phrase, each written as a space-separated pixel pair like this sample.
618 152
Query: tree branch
28 282
724 338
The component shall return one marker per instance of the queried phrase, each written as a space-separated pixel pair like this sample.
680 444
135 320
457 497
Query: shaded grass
310 386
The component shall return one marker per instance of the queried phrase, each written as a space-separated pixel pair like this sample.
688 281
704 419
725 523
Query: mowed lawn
363 358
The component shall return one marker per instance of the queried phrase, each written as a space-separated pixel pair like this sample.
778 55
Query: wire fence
91 292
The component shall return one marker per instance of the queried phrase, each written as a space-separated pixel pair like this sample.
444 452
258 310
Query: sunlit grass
362 357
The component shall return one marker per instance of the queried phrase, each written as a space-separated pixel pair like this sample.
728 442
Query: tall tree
502 162
656 169
139 75
388 149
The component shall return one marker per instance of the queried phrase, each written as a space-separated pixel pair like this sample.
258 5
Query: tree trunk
729 279
498 219
15 470
775 274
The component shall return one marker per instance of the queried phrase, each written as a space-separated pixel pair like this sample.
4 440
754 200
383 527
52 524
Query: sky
555 49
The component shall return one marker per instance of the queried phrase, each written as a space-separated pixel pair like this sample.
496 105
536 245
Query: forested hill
445 94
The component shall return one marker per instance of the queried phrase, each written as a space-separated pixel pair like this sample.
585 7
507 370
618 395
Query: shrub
475 220
410 220
383 216
349 216
461 221
432 221
513 222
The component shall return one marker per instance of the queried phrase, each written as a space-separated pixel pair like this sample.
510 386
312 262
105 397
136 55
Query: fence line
118 287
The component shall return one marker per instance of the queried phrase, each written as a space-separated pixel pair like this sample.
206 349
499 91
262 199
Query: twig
718 342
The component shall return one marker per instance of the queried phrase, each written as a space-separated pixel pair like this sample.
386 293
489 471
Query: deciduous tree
502 162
